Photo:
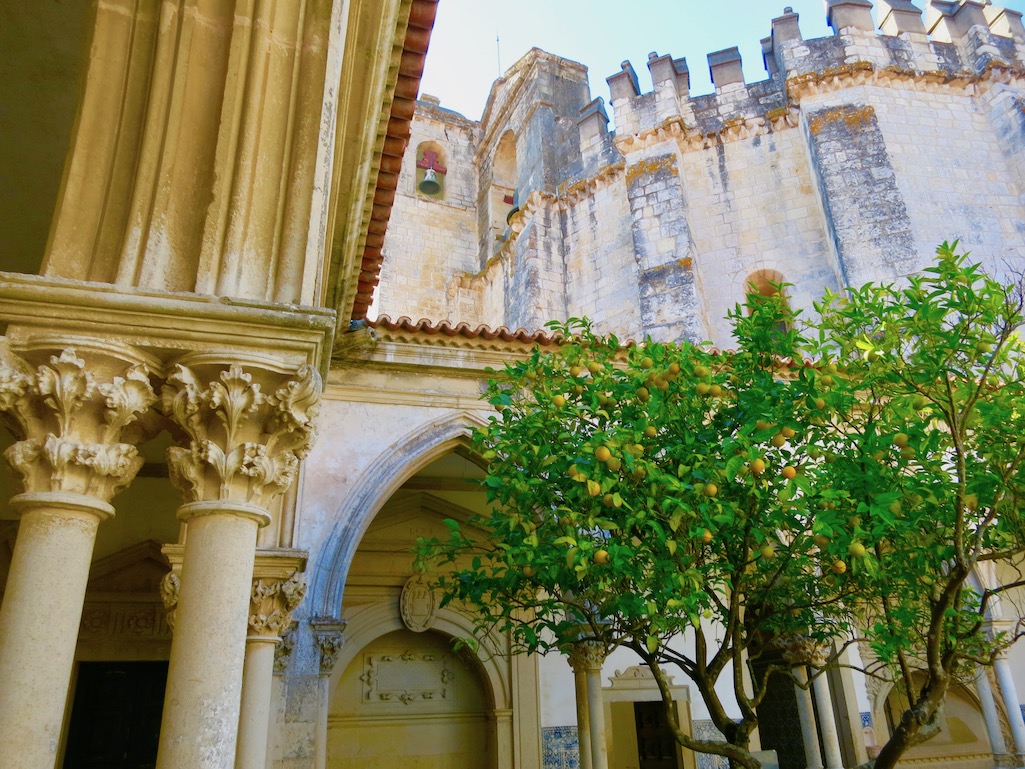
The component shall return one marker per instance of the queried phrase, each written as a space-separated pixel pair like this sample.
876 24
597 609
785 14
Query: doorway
115 716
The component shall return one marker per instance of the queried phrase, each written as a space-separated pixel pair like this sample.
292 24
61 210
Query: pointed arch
382 478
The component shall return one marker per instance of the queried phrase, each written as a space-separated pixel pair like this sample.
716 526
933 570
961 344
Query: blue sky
463 59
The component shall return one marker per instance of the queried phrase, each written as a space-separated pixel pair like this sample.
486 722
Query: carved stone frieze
245 430
137 619
70 414
272 604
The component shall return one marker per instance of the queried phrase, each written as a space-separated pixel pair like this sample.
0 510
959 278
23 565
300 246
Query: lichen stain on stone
648 167
855 118
687 263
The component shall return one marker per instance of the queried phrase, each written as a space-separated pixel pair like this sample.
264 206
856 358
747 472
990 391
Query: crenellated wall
851 161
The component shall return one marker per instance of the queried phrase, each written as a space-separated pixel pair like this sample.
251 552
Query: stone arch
503 200
382 478
763 282
945 744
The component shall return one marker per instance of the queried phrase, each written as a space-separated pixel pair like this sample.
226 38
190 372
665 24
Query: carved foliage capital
170 589
329 644
586 656
801 650
272 604
70 416
242 444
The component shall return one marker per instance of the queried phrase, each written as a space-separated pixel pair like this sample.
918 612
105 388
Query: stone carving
244 445
70 425
406 677
135 619
417 604
170 589
272 603
801 650
329 643
283 652
586 656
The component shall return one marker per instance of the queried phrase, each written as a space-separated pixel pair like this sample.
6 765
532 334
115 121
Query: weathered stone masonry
857 155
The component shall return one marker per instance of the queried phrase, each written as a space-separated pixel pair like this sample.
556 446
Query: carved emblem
417 604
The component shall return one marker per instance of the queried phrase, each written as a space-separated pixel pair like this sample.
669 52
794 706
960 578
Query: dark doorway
656 746
115 718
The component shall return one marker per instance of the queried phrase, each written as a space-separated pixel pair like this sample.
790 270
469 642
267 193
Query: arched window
766 284
430 170
503 183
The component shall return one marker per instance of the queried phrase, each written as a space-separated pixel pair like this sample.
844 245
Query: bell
429 185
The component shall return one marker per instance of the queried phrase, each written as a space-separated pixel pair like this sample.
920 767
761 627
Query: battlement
944 40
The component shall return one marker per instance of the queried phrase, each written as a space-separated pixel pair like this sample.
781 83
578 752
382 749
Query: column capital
586 656
272 603
244 428
283 652
801 650
329 639
71 407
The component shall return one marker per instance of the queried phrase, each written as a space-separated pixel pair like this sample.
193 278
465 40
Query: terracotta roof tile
465 330
418 34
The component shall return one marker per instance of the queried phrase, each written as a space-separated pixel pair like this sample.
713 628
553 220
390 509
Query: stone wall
855 157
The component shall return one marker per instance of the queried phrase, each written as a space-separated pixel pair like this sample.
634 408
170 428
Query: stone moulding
32 306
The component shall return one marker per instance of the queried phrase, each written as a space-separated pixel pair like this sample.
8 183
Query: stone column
589 658
275 596
69 414
583 716
990 715
329 640
244 433
806 712
1012 706
827 721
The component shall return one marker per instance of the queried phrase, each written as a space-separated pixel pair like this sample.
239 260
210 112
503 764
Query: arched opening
503 185
768 285
431 170
408 699
401 693
765 283
962 742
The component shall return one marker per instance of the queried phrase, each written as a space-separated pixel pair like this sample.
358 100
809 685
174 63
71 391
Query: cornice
165 324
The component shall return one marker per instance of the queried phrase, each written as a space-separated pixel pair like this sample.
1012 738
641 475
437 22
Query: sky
463 58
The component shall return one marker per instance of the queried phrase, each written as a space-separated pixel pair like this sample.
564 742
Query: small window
767 284
430 171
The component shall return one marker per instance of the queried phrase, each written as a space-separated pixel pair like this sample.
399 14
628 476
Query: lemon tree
825 482
931 467
648 491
